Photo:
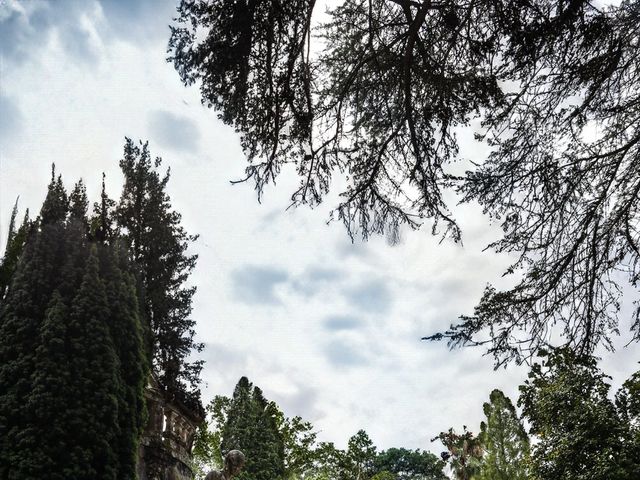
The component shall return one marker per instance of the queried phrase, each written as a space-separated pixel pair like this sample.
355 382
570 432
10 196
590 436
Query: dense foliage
90 305
554 84
582 435
72 361
158 245
577 431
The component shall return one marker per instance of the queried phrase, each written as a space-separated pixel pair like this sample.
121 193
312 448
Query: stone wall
165 447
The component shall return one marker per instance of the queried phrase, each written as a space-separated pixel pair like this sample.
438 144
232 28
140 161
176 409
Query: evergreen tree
56 205
269 446
127 333
72 366
79 204
102 222
504 441
251 427
21 316
158 245
50 396
13 249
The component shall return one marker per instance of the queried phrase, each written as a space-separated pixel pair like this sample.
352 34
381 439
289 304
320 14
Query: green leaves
158 244
582 435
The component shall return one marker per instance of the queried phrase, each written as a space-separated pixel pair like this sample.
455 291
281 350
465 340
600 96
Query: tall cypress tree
50 395
158 245
72 366
22 313
16 239
96 382
127 333
269 444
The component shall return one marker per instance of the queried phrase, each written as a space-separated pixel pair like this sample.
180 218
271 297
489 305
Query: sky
329 329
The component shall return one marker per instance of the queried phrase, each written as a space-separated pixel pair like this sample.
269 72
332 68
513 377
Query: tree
554 83
158 245
403 464
13 249
206 452
299 439
581 434
251 427
464 453
72 366
504 441
357 462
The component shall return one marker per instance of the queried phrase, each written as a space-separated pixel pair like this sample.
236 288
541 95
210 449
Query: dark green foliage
102 222
15 245
554 83
79 204
403 464
581 433
56 204
504 441
254 69
251 426
72 366
268 442
95 380
157 244
133 368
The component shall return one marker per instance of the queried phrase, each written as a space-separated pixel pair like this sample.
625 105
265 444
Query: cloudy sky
328 329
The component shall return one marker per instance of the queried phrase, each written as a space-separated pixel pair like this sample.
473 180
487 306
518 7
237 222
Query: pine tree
504 441
158 245
251 427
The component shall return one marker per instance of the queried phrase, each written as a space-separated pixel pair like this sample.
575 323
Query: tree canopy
72 361
377 102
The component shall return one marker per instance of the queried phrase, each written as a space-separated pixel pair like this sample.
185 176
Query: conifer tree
158 246
269 444
21 316
72 366
96 381
13 248
79 204
127 333
251 427
50 395
504 441
56 205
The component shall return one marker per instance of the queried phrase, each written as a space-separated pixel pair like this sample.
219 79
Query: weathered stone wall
165 447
